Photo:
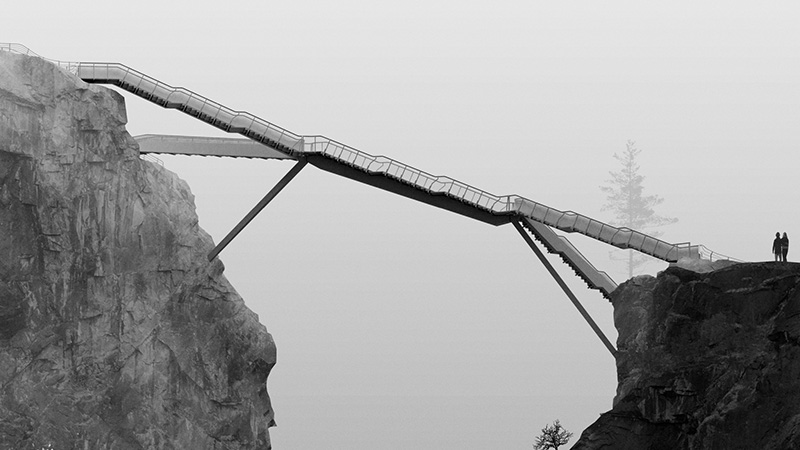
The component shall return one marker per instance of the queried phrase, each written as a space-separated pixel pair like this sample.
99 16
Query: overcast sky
402 326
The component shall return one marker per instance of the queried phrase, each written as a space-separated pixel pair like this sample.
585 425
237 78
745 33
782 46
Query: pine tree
552 437
631 208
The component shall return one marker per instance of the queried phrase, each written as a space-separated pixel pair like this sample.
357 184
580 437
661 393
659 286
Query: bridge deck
272 141
383 172
206 146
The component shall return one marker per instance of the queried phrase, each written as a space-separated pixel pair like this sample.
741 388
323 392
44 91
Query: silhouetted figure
784 246
776 246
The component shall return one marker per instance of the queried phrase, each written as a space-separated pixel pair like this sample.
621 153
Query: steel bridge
265 140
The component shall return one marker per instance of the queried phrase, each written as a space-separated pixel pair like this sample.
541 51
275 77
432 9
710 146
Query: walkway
378 171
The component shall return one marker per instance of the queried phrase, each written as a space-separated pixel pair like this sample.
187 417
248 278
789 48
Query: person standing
776 246
784 246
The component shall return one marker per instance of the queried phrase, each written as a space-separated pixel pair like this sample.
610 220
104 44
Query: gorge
116 332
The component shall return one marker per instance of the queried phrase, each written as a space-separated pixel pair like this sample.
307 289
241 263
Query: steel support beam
257 209
565 288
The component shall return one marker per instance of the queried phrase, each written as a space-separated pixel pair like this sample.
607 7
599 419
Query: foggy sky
399 325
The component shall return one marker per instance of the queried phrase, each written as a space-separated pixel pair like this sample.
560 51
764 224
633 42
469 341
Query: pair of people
780 247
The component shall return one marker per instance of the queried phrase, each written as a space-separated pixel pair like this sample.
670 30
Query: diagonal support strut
257 209
565 288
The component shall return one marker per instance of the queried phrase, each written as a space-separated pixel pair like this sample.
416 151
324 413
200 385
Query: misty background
399 325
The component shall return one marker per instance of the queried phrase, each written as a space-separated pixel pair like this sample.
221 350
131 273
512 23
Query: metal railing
706 253
152 159
255 128
568 221
230 120
69 66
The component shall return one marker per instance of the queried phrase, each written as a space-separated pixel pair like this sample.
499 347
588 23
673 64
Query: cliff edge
115 330
706 361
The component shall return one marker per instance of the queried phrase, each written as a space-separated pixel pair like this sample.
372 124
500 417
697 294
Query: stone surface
115 330
707 360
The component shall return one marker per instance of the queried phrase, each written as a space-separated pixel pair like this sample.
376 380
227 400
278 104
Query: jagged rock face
706 361
115 330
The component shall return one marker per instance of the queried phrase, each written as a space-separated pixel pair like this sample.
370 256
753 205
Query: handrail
569 221
152 159
69 66
707 253
258 129
182 98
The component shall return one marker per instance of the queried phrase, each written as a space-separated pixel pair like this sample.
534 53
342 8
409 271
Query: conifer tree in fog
631 208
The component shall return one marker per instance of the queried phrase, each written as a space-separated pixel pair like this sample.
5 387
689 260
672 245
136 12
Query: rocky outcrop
115 330
706 361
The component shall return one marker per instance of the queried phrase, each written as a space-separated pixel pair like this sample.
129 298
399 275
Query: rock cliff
706 361
115 330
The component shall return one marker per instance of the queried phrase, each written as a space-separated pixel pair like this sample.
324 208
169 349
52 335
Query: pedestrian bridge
263 139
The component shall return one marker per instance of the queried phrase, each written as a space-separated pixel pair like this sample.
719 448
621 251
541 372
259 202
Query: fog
399 325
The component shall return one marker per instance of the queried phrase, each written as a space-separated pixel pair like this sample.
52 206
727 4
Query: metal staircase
561 246
321 149
295 145
190 103
389 174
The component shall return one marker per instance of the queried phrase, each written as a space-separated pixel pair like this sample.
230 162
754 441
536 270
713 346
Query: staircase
321 147
561 246
389 174
623 238
195 105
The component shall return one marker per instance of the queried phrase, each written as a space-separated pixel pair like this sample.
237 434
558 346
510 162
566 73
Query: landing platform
206 146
